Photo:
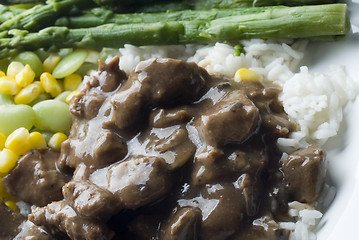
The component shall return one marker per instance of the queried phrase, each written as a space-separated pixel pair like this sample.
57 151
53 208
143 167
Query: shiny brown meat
15 226
36 179
174 153
304 172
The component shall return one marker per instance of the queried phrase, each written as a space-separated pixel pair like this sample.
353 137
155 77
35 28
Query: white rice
315 101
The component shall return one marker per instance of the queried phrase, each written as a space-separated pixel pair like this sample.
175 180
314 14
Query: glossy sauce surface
170 152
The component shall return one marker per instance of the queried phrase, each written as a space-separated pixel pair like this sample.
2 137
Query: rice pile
315 101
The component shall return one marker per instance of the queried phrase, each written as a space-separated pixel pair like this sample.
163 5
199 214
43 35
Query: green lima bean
16 116
52 115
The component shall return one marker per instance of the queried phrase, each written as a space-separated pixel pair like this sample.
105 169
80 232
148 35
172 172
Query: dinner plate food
178 120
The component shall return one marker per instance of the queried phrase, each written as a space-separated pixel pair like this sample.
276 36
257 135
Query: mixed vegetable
34 98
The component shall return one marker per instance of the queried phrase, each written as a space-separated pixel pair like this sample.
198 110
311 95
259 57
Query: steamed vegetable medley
34 98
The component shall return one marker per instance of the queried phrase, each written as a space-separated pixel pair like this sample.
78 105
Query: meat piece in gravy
175 153
304 172
35 179
231 120
155 83
15 226
60 218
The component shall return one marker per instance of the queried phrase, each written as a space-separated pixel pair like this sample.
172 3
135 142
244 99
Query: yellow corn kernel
37 141
12 205
14 68
50 62
2 74
72 82
8 85
56 140
8 160
50 84
71 95
25 76
2 141
28 94
244 74
38 83
18 141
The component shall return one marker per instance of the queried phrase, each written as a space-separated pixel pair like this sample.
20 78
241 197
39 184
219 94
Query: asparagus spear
274 22
209 4
100 16
12 2
41 16
7 13
205 4
44 15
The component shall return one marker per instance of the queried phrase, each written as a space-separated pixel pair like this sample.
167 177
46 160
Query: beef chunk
176 148
167 81
214 164
92 145
36 173
163 118
225 216
15 226
250 192
94 90
222 207
304 172
87 105
58 217
9 222
113 75
137 181
183 225
89 200
273 118
129 110
231 120
277 124
154 83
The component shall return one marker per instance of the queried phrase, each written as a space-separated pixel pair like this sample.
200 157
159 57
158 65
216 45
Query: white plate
341 219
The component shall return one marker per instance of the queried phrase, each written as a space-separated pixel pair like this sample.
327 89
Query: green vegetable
15 116
41 97
62 96
238 50
52 115
100 16
86 68
70 64
207 4
44 15
323 21
23 1
32 59
6 99
41 16
7 13
210 4
47 135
